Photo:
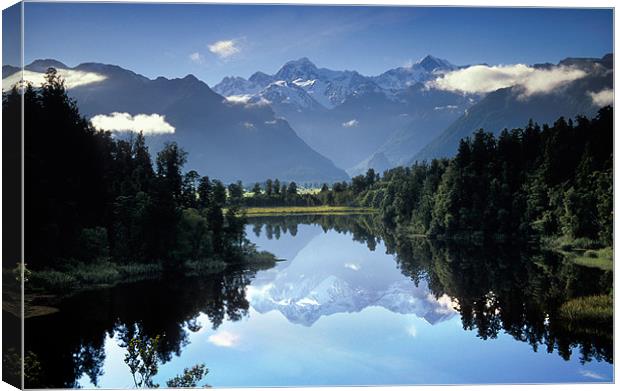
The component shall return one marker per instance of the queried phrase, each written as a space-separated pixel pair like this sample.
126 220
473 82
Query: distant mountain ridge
424 70
506 108
226 141
328 87
307 123
400 116
347 116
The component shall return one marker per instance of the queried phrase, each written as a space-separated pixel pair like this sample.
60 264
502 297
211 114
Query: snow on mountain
347 116
232 86
426 69
302 69
331 88
261 79
287 93
334 274
324 86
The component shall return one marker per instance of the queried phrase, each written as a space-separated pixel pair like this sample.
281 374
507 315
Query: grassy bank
584 252
602 259
293 210
598 308
79 276
43 288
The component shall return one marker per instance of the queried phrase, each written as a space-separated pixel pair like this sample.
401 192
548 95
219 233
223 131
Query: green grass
76 276
582 251
263 258
53 281
592 309
291 210
602 259
567 244
198 268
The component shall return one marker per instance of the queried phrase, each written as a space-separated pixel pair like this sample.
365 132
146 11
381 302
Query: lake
350 303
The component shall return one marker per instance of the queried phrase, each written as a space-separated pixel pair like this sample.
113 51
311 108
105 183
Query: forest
552 182
529 295
535 295
100 209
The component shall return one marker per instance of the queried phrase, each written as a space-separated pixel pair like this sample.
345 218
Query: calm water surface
348 305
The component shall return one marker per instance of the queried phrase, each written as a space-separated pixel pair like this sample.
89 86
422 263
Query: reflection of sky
370 345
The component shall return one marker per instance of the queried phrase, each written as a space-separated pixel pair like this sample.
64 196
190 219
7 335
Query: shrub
132 270
590 254
53 280
97 273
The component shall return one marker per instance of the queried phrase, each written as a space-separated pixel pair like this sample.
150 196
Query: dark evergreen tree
256 189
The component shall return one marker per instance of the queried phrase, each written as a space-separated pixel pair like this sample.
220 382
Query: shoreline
41 299
305 210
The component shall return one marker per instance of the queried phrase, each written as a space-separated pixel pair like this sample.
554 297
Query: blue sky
177 39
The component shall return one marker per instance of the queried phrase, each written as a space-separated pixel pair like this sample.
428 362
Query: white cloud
258 293
352 266
224 49
482 79
448 107
125 122
197 58
591 375
412 331
73 78
248 100
603 97
447 305
239 98
224 339
351 124
260 102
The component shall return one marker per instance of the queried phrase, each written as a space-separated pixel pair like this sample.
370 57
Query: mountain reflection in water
351 303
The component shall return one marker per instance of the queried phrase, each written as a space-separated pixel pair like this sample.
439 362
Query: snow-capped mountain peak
426 69
324 87
431 64
316 284
261 79
329 88
298 69
232 85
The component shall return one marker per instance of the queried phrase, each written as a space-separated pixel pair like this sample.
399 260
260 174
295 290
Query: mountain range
401 115
506 108
347 116
224 140
310 124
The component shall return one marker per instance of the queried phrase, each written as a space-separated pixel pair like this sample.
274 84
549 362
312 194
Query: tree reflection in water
511 288
70 343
